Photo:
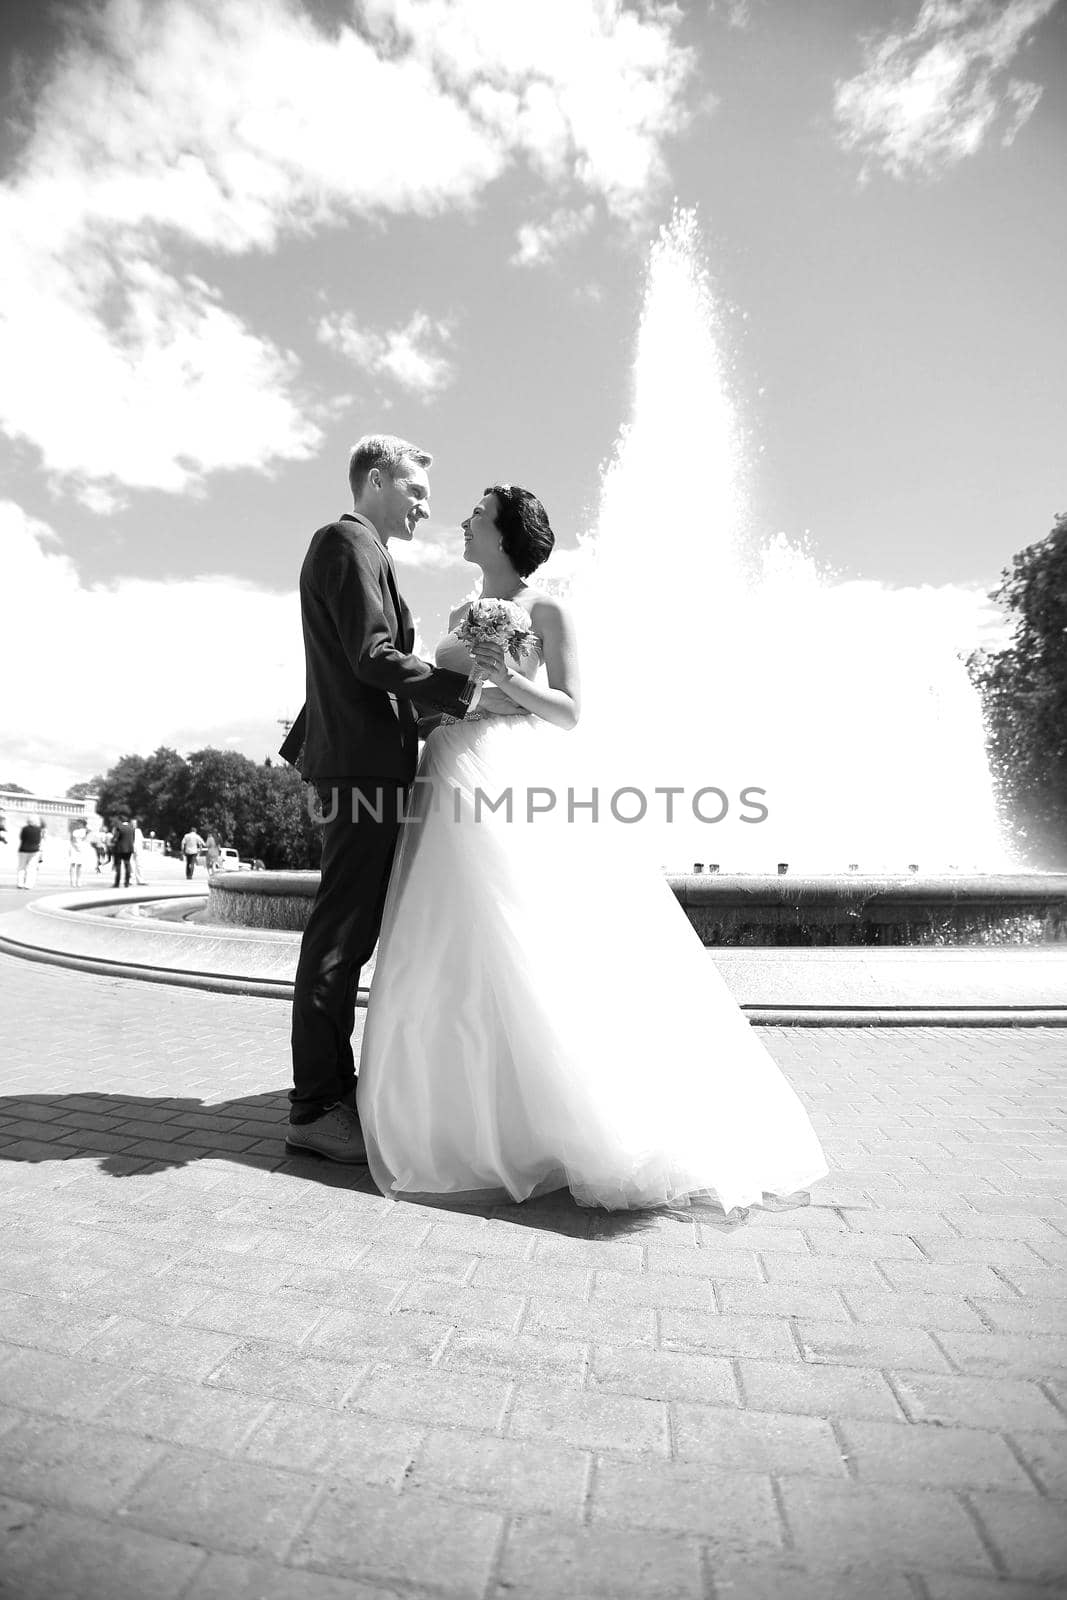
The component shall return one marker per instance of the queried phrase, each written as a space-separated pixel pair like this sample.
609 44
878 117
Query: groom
356 741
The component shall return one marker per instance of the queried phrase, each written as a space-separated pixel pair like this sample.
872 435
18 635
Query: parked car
230 861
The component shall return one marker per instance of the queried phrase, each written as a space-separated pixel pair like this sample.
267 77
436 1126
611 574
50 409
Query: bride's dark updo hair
522 523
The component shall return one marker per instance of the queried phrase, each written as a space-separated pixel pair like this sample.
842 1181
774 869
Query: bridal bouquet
499 622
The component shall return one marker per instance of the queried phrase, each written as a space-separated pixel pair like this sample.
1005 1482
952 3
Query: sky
241 233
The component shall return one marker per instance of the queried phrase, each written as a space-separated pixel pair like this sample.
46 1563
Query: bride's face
481 536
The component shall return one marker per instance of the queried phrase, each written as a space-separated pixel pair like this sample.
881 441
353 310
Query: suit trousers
362 825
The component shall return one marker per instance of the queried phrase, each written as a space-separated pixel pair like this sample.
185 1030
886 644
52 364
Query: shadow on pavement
130 1134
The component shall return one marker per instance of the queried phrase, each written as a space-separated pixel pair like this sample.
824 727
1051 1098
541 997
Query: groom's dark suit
355 735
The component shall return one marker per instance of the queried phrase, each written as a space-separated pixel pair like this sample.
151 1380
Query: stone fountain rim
60 930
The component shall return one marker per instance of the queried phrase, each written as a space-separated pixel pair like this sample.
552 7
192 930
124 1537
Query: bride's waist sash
479 715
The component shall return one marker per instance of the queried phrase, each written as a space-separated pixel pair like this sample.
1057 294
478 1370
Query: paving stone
462 1306
1010 1355
259 1367
362 1336
414 1538
514 1355
685 1499
182 1413
925 1454
1027 1316
663 1375
145 1346
16 1515
348 1446
554 1249
727 1335
1029 1535
817 1391
956 1586
574 1319
228 1577
869 1345
867 1246
434 1397
70 1465
828 1272
740 1242
514 1474
1040 1281
755 1441
544 1559
839 1524
282 1318
653 1289
60 1386
1046 1456
64 1327
521 1277
951 1279
221 1505
739 1577
162 1300
65 1557
1003 1403
590 1421
909 1309
705 1262
782 1300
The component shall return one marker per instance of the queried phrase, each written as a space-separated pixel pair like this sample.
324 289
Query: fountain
827 723
710 660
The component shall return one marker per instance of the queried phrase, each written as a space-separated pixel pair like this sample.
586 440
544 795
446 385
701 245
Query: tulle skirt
542 1015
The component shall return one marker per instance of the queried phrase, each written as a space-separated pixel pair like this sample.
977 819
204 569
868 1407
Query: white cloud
586 90
414 356
105 670
539 242
427 554
170 124
931 97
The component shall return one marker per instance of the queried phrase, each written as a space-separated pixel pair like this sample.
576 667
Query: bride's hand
491 662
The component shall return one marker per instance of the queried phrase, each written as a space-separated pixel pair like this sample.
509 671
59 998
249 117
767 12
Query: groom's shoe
335 1135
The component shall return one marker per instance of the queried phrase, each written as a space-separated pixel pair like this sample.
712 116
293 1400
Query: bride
542 1015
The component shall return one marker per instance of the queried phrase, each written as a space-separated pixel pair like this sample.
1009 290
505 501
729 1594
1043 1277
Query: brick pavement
228 1374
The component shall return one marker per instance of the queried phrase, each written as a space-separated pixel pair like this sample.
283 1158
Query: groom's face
405 501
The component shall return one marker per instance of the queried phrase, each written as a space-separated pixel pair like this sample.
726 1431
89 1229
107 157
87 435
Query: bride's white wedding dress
542 1015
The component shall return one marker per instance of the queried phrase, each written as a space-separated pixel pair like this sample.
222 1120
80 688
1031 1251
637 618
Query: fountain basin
280 901
114 933
947 910
748 910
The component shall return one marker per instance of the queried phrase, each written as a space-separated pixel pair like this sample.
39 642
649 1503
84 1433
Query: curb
759 1015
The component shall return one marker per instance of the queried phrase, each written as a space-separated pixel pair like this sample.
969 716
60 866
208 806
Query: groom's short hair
382 450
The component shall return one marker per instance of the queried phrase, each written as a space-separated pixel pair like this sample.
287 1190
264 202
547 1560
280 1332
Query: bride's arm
560 701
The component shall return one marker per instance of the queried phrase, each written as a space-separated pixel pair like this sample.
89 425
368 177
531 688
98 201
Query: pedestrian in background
192 844
138 852
30 836
122 850
77 854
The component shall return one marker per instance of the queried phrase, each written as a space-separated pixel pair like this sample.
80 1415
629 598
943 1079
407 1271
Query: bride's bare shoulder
546 607
455 617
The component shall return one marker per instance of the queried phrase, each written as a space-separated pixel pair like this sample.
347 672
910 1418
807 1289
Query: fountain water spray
709 660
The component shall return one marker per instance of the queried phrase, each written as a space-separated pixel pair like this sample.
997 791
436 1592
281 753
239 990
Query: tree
15 788
122 792
259 810
286 835
81 791
1024 693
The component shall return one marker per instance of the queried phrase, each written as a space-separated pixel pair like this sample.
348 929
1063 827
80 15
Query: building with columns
57 815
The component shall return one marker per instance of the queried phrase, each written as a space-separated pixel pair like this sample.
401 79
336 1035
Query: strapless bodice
452 653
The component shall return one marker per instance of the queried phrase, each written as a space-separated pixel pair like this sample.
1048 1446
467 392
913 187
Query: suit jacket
359 714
